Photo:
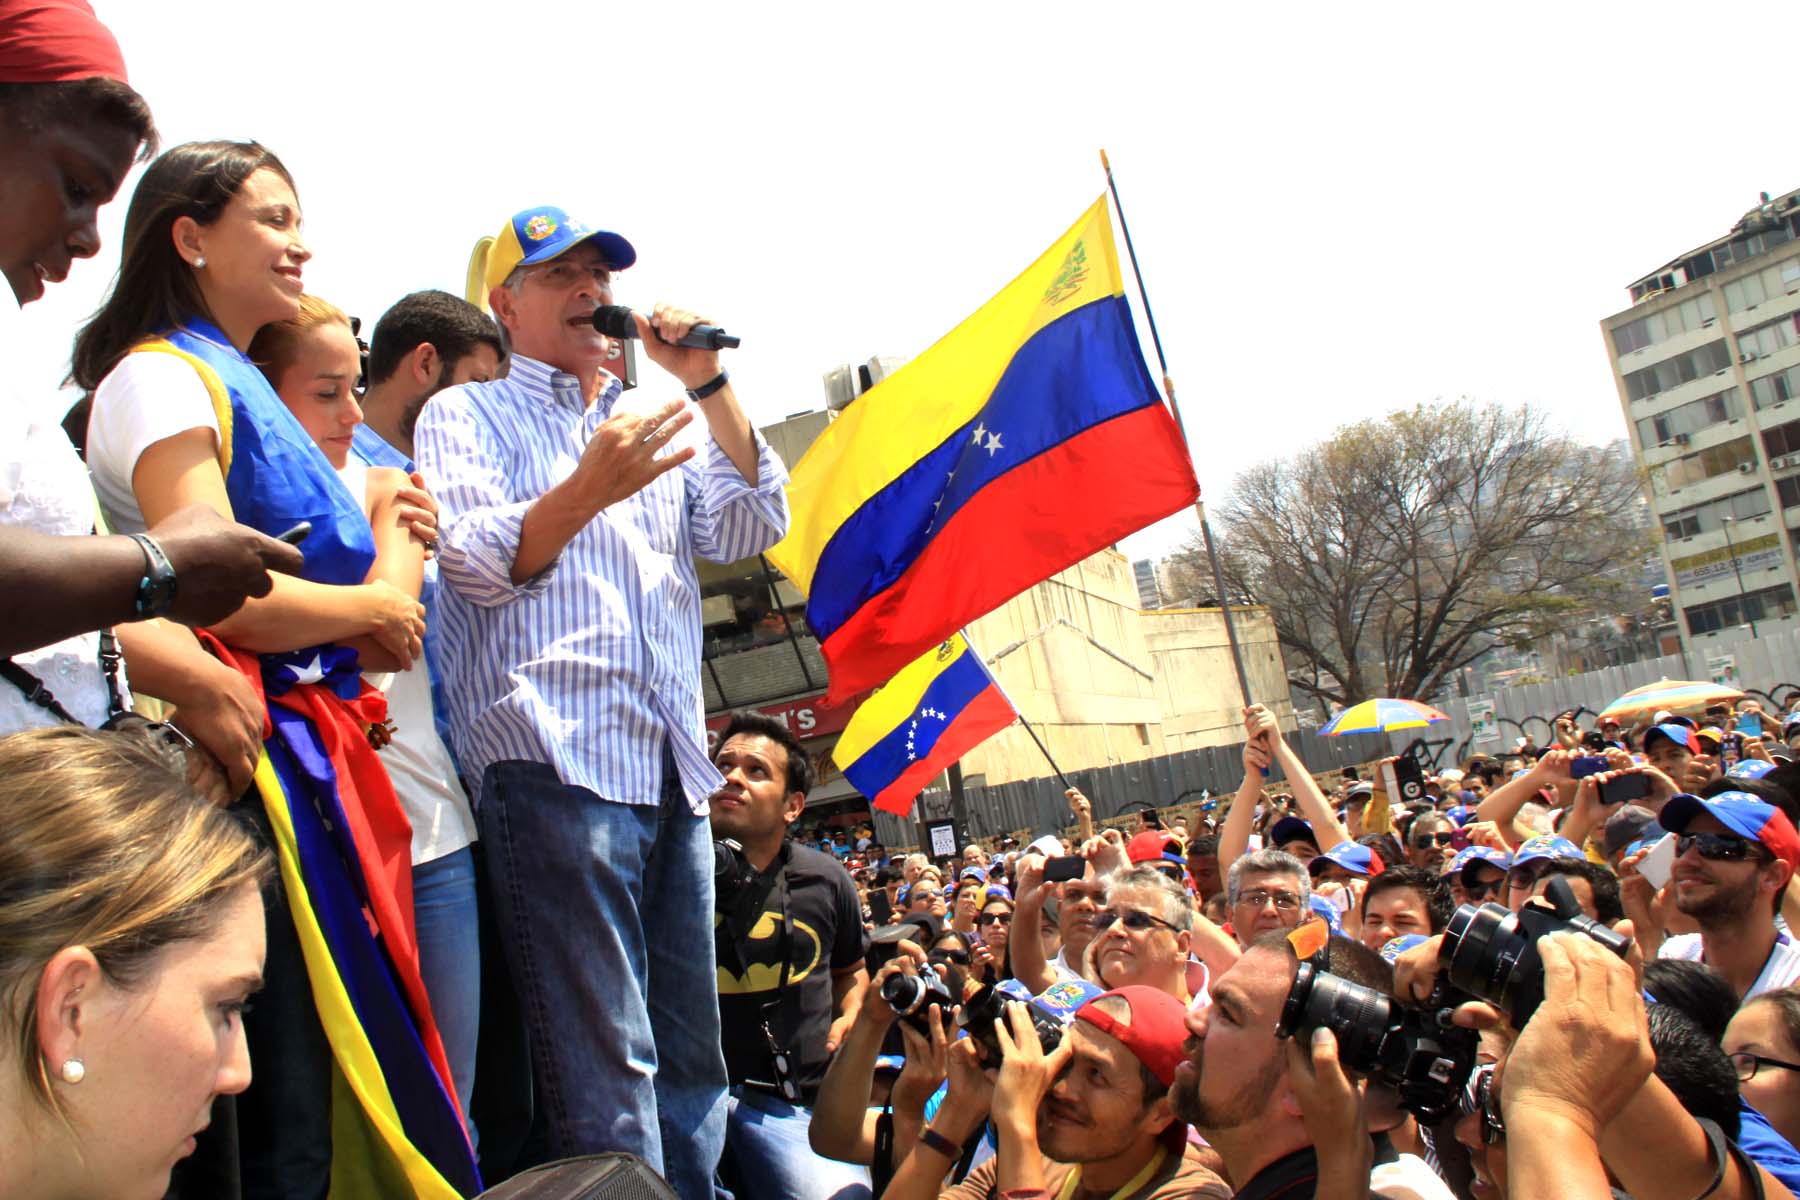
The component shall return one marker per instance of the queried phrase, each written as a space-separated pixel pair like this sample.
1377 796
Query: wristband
710 386
156 590
934 1140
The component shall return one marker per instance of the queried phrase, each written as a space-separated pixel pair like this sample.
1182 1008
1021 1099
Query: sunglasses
1135 921
1428 840
1482 891
959 957
996 918
924 894
1717 847
1529 874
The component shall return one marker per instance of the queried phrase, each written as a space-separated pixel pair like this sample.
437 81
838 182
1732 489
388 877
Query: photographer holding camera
1258 1102
790 945
1089 1116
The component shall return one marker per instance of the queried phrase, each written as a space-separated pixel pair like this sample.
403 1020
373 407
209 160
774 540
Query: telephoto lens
911 997
1491 953
1416 1051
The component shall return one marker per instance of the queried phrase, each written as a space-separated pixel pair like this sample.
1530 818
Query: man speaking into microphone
571 643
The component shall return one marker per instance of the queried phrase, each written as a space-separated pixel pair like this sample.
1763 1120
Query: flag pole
1212 554
999 687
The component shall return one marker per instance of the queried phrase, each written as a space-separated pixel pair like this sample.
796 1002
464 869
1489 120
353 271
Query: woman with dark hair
1763 1041
994 927
212 253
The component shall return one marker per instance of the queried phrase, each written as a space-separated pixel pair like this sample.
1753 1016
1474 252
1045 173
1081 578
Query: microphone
614 320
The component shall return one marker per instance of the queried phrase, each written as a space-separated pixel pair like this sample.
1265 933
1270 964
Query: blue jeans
450 961
624 1020
766 1146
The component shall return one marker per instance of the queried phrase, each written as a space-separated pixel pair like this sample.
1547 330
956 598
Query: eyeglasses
1283 901
1716 847
561 274
996 918
1426 841
1135 921
1478 1097
959 957
1746 1063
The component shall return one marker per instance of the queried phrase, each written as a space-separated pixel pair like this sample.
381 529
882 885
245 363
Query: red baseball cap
1153 846
1154 1032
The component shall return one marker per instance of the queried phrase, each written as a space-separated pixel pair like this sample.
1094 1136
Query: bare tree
1401 549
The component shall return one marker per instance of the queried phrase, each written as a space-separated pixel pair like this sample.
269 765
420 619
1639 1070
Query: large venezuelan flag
1029 437
940 707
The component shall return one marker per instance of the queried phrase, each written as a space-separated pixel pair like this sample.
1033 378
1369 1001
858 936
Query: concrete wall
1196 683
1070 653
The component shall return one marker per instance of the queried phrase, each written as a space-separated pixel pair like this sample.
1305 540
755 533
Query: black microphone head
614 320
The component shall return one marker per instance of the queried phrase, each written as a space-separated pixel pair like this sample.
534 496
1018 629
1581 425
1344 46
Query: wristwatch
710 386
156 590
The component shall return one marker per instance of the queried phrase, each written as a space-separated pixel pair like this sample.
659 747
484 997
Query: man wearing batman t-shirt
789 942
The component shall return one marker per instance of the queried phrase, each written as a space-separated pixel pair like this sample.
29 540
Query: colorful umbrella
1380 714
1672 694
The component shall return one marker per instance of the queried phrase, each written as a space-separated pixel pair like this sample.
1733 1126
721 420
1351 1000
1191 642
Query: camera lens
1359 1016
1481 951
903 992
1492 953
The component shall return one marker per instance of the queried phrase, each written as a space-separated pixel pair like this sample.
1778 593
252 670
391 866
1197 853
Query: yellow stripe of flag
896 702
937 393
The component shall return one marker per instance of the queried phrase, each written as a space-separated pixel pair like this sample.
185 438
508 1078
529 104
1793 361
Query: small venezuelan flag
1023 441
932 713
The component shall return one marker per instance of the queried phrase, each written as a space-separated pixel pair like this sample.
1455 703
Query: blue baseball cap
1352 857
1470 855
1741 813
1060 999
1545 846
1461 813
972 873
1750 768
1681 735
537 235
997 891
1393 948
1290 829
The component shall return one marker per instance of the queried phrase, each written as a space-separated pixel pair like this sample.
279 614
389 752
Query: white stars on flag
912 729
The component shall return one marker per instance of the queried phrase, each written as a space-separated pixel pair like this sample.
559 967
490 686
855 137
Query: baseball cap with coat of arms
537 235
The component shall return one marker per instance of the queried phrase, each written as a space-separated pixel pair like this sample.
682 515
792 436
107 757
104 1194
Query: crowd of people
362 836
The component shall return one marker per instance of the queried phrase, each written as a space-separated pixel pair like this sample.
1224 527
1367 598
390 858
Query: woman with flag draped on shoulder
212 252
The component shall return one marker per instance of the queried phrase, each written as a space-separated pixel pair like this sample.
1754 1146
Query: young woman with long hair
212 253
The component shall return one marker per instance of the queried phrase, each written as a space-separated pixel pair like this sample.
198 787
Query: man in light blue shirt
571 648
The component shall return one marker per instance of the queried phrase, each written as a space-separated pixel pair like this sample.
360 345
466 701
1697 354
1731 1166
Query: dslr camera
987 1006
1488 953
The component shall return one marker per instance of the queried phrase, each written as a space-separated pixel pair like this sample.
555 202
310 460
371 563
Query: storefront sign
1753 554
806 719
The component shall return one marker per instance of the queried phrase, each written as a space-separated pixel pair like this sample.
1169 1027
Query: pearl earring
200 262
73 1070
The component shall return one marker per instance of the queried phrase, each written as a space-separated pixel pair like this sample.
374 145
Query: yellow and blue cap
537 235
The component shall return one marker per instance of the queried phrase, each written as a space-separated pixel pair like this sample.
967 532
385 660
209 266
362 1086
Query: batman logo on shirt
763 974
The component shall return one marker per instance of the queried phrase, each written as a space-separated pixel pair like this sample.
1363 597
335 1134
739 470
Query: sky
1339 210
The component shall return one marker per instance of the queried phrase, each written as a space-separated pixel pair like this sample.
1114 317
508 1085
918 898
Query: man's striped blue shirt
591 664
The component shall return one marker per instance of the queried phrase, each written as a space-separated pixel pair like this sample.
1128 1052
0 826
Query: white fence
1768 666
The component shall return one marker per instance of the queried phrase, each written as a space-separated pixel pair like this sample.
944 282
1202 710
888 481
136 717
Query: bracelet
934 1140
710 386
